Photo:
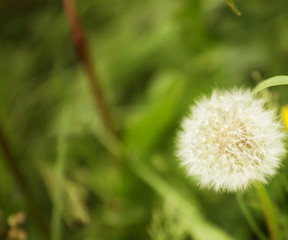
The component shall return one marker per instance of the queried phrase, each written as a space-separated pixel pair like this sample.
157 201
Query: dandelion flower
284 113
230 141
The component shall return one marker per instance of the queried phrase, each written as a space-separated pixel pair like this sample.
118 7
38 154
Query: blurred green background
153 58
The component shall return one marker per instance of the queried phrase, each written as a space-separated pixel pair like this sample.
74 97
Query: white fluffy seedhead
230 140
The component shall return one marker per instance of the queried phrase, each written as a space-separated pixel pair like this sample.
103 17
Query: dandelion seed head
230 141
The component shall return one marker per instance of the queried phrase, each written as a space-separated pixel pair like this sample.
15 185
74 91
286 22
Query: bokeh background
153 58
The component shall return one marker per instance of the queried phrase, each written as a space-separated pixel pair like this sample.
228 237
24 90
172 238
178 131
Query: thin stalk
12 163
249 218
269 213
82 50
232 5
56 225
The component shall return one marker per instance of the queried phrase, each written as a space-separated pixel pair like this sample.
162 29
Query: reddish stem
81 47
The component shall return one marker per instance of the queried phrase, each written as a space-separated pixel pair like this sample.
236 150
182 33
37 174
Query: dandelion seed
244 146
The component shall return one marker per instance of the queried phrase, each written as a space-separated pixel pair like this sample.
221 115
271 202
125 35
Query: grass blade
200 227
56 225
274 81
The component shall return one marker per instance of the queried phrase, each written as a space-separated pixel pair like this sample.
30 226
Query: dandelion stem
250 220
269 212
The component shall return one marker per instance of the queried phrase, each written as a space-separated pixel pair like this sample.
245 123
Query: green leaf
274 81
146 126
